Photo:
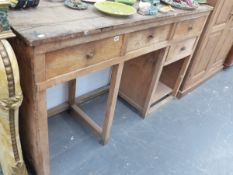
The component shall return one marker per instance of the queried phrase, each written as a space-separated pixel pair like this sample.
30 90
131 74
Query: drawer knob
90 55
190 28
182 49
150 36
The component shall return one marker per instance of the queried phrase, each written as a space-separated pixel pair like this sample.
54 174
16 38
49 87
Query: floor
191 136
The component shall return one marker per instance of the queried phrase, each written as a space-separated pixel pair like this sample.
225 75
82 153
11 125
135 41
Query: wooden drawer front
81 56
189 28
180 50
140 39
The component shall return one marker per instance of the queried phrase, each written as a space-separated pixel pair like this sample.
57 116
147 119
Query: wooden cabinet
213 46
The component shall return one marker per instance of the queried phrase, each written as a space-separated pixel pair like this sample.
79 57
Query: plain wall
59 94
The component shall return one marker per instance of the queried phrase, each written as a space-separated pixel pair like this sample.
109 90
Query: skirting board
79 100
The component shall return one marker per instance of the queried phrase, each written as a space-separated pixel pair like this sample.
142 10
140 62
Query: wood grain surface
52 21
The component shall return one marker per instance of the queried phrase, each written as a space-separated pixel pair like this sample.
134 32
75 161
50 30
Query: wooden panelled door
222 24
215 44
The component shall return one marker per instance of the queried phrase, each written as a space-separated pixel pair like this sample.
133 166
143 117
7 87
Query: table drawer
180 50
81 56
143 38
191 27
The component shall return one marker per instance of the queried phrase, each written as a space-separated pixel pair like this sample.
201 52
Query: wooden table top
52 21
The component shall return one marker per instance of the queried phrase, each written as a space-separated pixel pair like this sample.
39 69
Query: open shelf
139 78
167 82
161 92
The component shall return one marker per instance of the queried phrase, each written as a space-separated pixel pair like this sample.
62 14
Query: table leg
33 112
34 125
72 92
41 141
182 73
104 132
112 99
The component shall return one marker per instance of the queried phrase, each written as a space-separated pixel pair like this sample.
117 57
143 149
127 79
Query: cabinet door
227 44
208 57
223 13
202 60
224 44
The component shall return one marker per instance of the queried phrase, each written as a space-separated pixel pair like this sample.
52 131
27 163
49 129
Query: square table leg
40 137
104 131
35 132
112 99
